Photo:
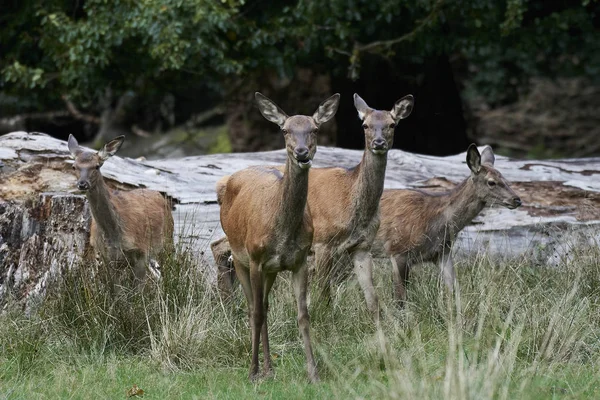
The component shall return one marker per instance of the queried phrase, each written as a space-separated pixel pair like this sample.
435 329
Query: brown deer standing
269 227
417 226
344 203
133 226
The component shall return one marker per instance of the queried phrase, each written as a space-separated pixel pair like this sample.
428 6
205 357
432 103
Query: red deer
417 226
132 226
269 227
344 203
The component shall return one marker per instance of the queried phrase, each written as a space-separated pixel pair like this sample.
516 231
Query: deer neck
104 212
463 204
368 187
292 201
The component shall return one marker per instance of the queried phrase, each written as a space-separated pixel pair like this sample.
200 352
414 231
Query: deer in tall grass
344 203
268 226
127 226
417 226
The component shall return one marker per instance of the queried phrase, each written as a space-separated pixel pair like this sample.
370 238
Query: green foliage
79 48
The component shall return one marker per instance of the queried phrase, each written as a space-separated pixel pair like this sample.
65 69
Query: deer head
491 186
379 125
300 131
88 163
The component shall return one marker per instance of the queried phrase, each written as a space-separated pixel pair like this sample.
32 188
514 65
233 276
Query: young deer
131 226
417 226
269 227
344 203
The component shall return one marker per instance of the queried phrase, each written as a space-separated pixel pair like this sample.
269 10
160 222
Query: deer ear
327 109
473 158
361 106
403 108
111 148
270 110
487 156
73 146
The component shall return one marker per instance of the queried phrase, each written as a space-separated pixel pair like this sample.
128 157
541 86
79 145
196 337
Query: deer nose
83 185
301 153
379 144
517 201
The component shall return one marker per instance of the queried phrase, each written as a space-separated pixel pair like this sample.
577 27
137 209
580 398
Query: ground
511 330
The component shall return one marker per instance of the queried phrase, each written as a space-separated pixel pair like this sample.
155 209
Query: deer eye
491 183
73 166
365 126
285 131
392 126
97 167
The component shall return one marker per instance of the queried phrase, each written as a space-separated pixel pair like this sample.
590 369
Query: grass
510 330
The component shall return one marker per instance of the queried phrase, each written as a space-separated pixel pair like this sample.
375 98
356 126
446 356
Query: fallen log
44 220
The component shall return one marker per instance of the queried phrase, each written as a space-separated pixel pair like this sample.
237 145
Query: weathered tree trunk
44 221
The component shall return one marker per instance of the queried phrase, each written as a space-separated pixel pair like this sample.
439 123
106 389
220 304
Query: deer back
145 221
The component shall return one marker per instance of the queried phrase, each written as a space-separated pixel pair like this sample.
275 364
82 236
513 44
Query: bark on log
44 220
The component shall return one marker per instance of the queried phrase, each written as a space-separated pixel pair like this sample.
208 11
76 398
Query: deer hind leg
267 365
363 268
324 269
400 271
300 283
225 271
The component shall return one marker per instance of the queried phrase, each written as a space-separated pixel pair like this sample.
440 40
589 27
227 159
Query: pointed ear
361 106
327 109
111 148
403 108
473 158
270 110
73 146
487 156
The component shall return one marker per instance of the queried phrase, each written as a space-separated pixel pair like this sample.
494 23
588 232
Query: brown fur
344 204
133 226
268 226
146 223
417 226
220 188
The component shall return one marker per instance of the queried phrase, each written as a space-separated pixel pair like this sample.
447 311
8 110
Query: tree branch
78 114
377 45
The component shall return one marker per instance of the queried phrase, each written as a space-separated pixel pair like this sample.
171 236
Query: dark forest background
521 75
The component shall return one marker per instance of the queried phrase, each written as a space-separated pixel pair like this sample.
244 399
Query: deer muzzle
302 156
379 146
83 185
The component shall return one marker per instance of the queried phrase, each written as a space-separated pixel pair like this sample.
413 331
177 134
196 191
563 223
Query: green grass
511 330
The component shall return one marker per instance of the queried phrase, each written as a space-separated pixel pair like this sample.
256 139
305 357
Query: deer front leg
243 273
400 271
300 283
363 268
257 281
140 264
267 365
447 267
